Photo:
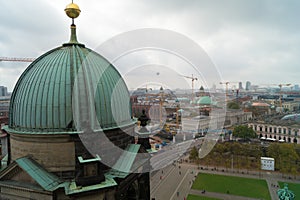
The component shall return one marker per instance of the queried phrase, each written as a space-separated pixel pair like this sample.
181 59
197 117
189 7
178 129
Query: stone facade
291 105
287 133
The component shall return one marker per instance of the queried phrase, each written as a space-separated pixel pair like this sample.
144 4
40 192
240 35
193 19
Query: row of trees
247 156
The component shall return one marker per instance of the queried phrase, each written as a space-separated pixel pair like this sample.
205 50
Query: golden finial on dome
72 10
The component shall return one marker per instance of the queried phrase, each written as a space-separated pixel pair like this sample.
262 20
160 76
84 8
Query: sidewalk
220 195
177 179
159 176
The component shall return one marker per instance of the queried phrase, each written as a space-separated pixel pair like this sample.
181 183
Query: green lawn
195 197
247 187
292 186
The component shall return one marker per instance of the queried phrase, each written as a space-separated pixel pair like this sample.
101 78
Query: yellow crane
280 94
193 79
161 103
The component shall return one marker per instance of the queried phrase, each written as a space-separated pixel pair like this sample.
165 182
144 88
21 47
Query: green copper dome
206 100
66 87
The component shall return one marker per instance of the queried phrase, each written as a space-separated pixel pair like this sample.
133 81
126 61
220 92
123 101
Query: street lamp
161 104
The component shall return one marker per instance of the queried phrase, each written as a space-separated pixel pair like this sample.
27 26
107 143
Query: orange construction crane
16 59
193 79
280 94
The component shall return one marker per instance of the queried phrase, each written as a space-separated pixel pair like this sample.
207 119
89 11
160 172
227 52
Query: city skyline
256 41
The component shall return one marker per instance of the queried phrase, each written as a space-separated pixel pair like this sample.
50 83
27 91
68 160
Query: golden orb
72 10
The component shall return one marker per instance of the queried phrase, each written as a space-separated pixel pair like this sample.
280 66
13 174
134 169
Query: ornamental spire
72 10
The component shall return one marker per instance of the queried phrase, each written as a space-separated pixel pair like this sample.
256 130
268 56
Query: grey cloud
240 36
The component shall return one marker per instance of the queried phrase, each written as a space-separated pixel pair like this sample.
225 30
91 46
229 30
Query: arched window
296 132
295 140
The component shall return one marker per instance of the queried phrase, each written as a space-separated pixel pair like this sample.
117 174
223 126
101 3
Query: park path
175 178
220 195
273 185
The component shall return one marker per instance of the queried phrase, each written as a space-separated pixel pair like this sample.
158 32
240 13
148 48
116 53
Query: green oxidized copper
68 79
285 193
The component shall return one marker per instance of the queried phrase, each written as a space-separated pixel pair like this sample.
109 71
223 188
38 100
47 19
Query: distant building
3 91
4 110
291 105
280 131
157 103
241 86
4 106
214 88
202 92
236 117
248 85
267 163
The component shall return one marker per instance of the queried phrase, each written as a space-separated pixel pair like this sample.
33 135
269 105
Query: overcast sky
246 40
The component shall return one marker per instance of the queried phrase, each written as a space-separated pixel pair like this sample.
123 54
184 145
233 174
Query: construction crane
193 79
280 91
161 103
226 90
280 94
9 59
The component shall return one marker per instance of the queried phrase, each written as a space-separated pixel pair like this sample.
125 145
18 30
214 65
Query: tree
273 151
285 156
244 132
233 105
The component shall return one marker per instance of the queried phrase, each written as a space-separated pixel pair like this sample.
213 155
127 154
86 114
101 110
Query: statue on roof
143 119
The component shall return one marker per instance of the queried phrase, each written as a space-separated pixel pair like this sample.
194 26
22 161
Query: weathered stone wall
23 194
55 153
